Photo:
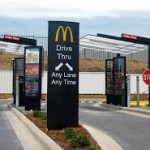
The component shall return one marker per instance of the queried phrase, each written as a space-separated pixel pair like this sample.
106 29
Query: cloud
70 8
144 22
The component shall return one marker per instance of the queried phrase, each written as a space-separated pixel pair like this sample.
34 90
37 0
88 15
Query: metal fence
102 55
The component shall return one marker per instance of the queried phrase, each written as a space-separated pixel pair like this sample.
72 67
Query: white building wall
5 81
143 86
89 83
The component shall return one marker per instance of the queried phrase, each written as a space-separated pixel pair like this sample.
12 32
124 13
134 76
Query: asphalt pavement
131 132
8 138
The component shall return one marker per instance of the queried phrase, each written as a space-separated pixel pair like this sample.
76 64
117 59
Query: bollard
17 92
128 90
138 91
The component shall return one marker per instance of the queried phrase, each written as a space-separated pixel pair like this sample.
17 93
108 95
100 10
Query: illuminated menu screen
32 71
119 76
109 77
19 67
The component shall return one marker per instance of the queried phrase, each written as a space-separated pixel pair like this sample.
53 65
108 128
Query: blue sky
29 17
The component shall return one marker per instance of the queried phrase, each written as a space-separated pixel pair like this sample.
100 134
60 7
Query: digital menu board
119 74
109 77
31 85
32 56
19 67
32 71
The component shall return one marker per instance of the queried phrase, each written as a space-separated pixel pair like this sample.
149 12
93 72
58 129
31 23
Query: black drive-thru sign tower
63 50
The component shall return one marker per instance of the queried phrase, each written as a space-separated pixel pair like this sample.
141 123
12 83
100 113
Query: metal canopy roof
14 48
110 45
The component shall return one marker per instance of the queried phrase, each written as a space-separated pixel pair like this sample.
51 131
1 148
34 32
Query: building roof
99 43
8 47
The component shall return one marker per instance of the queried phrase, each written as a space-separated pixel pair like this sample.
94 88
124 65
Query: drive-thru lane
8 139
131 132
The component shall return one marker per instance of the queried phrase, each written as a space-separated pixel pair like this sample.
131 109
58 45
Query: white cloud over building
71 8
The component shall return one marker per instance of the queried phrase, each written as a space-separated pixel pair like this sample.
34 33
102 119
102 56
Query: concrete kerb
146 112
90 100
103 140
109 106
45 141
113 107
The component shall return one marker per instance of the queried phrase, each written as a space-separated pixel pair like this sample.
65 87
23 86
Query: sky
113 17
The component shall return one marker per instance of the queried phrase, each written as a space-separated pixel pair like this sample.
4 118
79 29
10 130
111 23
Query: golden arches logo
64 33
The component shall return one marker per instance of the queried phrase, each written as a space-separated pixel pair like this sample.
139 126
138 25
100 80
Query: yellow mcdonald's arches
64 33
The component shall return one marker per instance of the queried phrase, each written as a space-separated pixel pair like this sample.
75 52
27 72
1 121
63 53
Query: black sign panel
18 74
13 84
32 81
109 77
19 40
19 67
119 76
63 50
135 38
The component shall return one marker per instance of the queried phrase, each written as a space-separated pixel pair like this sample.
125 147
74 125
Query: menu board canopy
19 40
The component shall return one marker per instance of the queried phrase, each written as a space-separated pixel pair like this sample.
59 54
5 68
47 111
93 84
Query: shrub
74 142
36 113
83 140
39 115
91 148
69 133
43 116
79 141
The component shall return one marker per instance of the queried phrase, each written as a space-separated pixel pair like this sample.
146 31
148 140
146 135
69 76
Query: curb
104 141
90 100
83 101
146 112
109 106
44 140
113 107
